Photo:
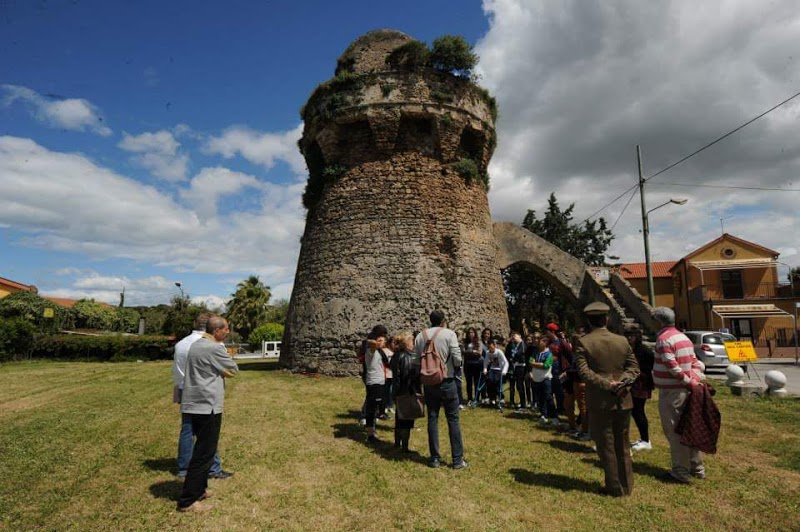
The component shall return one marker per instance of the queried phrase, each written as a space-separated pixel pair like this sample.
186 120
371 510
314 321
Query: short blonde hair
404 339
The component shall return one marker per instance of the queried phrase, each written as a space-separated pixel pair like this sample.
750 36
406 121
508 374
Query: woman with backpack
407 389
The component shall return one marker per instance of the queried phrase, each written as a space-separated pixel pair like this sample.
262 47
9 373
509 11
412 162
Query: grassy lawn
87 446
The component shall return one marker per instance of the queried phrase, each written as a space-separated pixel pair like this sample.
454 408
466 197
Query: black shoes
221 475
463 464
668 478
434 463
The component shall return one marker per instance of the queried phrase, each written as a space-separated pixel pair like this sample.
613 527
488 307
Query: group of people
608 377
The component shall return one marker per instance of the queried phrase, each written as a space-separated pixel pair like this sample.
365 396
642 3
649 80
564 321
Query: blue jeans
185 445
544 398
444 395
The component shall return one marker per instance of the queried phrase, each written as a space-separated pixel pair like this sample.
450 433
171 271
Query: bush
453 54
409 56
31 307
269 332
109 347
467 169
16 338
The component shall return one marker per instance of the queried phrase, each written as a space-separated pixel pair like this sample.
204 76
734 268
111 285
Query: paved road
760 368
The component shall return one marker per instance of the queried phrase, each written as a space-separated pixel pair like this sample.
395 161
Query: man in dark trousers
207 366
443 394
607 364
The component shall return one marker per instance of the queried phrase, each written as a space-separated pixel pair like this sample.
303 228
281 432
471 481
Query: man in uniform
606 364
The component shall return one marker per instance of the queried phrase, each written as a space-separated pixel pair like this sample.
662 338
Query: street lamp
183 296
651 298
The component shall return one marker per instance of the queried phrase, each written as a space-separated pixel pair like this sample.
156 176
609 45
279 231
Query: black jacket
405 370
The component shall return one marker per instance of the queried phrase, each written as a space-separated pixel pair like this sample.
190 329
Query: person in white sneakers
542 376
642 389
495 367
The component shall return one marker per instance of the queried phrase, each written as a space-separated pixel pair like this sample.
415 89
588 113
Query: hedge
110 347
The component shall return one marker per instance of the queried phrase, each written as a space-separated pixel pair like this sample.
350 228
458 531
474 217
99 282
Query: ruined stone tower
398 219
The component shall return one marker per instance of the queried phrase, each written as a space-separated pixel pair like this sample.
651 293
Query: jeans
640 417
374 404
185 444
436 397
544 398
206 428
472 371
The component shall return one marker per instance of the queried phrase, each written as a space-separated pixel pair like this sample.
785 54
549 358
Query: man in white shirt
186 438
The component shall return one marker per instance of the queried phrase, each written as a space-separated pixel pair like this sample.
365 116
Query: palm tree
247 308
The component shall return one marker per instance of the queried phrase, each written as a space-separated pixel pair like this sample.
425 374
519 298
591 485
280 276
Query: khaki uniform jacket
601 357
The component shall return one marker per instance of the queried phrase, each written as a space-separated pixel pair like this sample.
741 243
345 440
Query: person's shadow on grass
553 480
160 464
384 448
167 489
570 446
640 468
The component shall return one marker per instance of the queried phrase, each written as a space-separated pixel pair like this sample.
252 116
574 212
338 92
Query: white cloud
264 149
66 202
211 301
68 113
207 187
579 85
89 284
158 152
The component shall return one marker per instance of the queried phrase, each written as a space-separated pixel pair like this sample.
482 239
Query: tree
247 308
276 312
794 275
533 298
92 315
29 306
268 332
453 54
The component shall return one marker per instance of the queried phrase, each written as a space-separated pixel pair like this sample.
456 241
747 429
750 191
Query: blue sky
144 143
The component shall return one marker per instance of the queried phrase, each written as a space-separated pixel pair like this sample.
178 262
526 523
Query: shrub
269 332
16 338
409 56
467 169
387 88
92 315
442 96
453 54
108 347
30 307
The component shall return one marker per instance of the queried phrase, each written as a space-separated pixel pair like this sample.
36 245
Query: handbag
410 406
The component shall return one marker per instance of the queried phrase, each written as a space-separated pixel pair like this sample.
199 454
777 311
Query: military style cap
595 309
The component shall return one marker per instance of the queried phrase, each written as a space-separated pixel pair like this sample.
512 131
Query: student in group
642 389
486 335
405 367
375 362
495 367
472 350
515 353
542 375
531 350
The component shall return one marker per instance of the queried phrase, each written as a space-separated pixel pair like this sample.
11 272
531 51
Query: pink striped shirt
676 365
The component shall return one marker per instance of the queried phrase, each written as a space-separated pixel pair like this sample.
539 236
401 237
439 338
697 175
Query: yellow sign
48 312
740 351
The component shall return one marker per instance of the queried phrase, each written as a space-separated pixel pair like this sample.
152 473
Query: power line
673 165
609 204
623 211
726 135
728 186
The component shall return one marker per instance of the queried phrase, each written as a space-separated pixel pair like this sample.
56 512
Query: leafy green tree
247 308
409 56
126 320
268 332
453 54
794 275
276 312
16 337
92 315
529 296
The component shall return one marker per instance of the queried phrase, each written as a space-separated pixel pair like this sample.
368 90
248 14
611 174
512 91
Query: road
756 373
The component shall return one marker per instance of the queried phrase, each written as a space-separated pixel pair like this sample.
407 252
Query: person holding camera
608 366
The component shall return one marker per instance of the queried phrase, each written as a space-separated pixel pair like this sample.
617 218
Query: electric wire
728 186
623 210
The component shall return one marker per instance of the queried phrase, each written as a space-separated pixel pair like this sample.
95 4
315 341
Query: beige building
733 284
636 275
7 287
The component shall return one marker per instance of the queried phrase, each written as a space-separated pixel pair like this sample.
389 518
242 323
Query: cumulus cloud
211 184
66 202
88 284
158 152
68 113
260 148
579 86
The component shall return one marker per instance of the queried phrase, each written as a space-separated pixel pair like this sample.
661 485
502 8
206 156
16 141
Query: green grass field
91 446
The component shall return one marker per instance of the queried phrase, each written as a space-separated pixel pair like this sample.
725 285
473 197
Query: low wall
637 307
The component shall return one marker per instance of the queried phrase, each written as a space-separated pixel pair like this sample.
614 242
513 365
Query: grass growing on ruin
87 446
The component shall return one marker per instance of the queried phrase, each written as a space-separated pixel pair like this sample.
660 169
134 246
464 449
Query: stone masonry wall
394 231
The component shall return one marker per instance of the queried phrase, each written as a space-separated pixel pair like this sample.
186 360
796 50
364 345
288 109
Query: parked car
709 347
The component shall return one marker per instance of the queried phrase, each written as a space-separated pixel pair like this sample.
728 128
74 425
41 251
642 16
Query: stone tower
398 219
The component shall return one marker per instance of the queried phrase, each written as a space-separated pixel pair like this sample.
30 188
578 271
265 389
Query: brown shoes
196 507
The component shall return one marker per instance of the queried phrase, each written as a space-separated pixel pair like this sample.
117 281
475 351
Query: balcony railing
716 292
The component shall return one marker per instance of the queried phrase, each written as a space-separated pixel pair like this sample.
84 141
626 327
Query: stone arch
569 275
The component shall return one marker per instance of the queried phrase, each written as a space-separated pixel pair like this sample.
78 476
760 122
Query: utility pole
645 232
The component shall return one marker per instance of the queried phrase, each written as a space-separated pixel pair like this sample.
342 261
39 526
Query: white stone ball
734 373
775 379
